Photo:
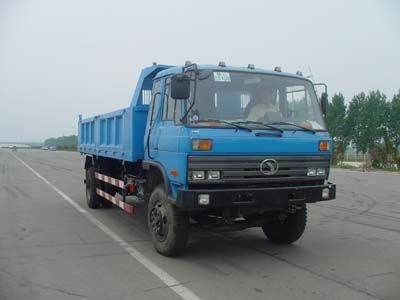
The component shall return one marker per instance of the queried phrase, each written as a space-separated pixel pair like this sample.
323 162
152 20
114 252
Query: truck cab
223 148
239 128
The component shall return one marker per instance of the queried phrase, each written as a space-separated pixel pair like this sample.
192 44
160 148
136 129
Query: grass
344 166
364 168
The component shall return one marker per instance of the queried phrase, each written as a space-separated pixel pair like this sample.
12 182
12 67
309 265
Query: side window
297 101
179 107
166 98
169 103
155 101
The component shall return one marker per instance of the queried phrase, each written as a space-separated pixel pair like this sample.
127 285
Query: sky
59 59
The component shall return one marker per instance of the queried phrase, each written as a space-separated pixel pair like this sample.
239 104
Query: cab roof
178 69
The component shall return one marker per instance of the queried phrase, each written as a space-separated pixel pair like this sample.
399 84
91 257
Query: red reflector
131 187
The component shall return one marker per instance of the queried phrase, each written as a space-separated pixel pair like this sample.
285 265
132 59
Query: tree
352 122
335 119
371 129
67 142
394 125
394 120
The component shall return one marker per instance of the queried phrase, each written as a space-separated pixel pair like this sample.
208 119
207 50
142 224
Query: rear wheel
168 227
106 204
93 200
288 230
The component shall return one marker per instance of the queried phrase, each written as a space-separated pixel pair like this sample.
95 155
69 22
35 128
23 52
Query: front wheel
288 230
168 227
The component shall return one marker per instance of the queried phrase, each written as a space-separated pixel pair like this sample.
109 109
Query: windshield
238 97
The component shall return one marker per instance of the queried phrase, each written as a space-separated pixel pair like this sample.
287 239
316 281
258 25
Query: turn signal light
202 145
174 172
323 145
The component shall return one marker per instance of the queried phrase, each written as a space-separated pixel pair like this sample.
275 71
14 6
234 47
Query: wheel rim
159 221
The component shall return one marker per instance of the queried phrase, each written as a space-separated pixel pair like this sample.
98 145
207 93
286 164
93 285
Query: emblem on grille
269 166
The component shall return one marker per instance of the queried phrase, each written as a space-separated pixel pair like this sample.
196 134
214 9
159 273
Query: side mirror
324 102
180 87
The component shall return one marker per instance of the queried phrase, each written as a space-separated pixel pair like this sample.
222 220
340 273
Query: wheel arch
89 161
157 175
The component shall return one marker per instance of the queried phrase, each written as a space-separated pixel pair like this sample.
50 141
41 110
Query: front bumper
265 198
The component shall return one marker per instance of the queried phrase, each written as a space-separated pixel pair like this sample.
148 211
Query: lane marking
181 290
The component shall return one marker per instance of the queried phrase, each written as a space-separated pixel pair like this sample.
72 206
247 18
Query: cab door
170 131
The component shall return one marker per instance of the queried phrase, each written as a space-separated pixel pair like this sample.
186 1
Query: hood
231 141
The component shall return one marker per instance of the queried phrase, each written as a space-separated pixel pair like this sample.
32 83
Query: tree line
370 123
64 142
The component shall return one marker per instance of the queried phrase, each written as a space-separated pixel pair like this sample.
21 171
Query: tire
168 227
106 204
92 199
289 230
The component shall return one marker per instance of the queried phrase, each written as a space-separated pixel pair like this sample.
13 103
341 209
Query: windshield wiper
268 126
292 124
226 122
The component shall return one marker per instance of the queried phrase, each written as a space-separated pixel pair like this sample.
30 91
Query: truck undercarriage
273 205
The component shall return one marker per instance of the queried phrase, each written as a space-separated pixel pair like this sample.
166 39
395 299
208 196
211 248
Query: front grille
245 170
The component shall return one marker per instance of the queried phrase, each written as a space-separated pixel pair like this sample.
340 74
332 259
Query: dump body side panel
120 134
107 135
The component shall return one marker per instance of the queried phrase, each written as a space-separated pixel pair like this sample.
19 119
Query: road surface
53 247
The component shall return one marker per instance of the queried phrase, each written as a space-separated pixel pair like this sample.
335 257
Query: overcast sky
62 58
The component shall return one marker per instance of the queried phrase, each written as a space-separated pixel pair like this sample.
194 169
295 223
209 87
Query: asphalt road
50 249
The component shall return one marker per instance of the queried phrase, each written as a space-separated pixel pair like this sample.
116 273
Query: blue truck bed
120 134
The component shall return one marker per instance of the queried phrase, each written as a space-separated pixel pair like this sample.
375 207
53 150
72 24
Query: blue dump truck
212 147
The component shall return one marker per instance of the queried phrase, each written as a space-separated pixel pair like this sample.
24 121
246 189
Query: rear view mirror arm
194 97
323 102
323 84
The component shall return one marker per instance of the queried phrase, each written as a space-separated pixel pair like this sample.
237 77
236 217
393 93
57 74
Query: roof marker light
299 73
251 66
277 69
221 64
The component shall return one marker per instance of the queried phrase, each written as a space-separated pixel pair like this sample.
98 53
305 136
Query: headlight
321 172
213 175
311 172
198 175
205 175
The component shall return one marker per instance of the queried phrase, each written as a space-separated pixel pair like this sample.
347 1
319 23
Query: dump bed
120 134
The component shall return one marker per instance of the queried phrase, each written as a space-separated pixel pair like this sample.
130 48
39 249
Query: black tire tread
178 232
94 200
288 231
